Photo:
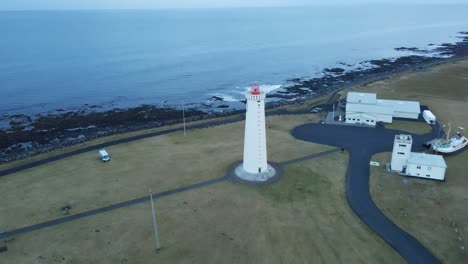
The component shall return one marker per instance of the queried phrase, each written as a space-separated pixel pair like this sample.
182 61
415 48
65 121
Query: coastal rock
216 99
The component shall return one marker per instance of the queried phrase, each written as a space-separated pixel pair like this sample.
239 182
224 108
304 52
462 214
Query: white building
255 148
401 152
416 164
426 166
365 108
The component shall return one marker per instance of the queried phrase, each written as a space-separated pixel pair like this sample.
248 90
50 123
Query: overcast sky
152 4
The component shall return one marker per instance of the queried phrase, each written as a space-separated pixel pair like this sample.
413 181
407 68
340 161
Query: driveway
362 143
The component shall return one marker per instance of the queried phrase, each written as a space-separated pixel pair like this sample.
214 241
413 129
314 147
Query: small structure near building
414 164
429 117
426 166
366 109
401 152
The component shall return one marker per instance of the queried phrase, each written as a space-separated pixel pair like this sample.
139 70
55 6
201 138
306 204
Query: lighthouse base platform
237 173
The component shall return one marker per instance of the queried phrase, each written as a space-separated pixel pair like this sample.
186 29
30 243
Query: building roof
403 139
427 159
368 108
401 106
361 98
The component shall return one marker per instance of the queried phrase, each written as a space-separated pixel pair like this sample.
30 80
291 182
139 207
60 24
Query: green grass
300 183
303 218
224 223
409 126
433 212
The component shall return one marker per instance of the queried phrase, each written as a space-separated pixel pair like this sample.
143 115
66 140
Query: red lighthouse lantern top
255 89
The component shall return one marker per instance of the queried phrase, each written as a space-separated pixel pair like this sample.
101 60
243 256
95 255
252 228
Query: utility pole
333 111
156 235
183 116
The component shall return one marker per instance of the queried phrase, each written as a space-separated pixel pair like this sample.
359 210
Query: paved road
362 143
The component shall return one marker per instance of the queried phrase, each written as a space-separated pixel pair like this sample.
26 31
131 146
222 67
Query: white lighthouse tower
254 166
255 149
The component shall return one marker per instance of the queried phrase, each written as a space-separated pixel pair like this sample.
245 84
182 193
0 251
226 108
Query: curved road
362 143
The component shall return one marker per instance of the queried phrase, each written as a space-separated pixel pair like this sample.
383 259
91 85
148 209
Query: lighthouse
254 166
255 149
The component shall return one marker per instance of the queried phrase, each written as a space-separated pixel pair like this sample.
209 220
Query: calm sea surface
66 59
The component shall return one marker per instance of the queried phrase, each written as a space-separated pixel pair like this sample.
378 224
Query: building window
418 167
401 153
402 145
367 121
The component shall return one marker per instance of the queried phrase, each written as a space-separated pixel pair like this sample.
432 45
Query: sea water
68 59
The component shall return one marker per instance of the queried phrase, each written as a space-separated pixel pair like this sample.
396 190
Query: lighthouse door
259 170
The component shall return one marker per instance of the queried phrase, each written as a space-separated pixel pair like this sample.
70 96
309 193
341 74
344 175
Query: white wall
368 119
255 148
435 173
400 154
406 115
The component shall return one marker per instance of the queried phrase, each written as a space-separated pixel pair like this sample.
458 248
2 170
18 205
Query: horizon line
226 7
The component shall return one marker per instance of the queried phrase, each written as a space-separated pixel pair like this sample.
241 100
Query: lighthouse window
401 153
258 102
401 145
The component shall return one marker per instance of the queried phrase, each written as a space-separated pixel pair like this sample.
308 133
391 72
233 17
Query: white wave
229 98
267 88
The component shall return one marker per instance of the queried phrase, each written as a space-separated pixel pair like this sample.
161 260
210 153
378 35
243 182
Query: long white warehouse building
365 108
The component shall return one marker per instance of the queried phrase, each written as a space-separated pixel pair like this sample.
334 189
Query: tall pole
156 235
183 116
333 111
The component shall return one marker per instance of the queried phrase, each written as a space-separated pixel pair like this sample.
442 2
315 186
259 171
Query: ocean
70 59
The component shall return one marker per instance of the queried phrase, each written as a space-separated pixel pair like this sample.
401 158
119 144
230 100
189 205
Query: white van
103 155
429 117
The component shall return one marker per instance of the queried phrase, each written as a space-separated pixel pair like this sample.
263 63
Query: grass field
419 128
303 218
159 163
434 212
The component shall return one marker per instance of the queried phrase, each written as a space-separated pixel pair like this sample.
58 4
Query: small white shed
426 166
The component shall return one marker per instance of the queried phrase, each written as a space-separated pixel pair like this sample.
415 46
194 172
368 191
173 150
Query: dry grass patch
434 212
413 127
160 163
224 223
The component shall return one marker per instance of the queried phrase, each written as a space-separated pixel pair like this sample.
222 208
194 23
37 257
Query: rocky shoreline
24 136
